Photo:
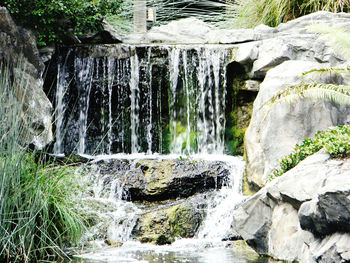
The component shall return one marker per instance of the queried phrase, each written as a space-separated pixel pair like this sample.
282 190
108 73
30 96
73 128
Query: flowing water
129 100
118 217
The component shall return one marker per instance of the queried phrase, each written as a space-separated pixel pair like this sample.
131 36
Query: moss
247 190
165 226
181 221
158 175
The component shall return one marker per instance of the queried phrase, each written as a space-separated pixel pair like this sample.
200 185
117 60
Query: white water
134 97
127 118
62 85
120 221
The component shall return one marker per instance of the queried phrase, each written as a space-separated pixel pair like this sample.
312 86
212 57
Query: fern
339 39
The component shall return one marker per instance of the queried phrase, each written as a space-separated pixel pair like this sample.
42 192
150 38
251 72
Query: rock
164 226
272 135
252 85
333 248
155 180
108 35
330 212
18 51
184 31
281 219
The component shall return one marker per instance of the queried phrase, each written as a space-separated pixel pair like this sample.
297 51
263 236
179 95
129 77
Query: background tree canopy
53 19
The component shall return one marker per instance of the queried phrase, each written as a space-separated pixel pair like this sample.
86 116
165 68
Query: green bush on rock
53 19
336 141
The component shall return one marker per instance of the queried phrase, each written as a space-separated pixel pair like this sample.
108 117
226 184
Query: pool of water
183 251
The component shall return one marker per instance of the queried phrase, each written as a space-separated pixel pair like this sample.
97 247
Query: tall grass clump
250 13
37 218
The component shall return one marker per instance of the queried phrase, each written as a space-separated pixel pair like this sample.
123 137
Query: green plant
250 13
37 217
53 20
336 141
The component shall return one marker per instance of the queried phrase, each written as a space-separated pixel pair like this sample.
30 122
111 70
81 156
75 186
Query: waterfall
62 85
218 219
116 217
132 99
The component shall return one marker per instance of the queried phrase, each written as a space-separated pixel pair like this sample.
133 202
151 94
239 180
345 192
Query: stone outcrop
165 225
155 180
273 134
302 215
19 53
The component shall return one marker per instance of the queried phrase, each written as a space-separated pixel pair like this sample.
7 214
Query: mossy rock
166 225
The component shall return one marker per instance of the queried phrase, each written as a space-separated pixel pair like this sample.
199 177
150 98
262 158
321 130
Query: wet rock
19 52
108 35
301 215
155 180
164 226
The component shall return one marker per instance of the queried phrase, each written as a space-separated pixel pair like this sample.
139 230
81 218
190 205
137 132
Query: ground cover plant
336 141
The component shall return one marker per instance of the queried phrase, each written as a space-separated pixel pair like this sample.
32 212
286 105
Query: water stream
135 103
153 99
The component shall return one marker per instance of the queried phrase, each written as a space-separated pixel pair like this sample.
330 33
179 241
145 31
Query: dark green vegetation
336 141
37 218
53 20
251 13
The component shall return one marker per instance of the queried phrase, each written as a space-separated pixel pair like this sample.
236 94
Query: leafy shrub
52 19
251 13
336 141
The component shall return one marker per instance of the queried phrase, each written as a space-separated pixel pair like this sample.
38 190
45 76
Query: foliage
36 200
336 141
53 19
251 13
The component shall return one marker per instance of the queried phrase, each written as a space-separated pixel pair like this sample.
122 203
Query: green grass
251 13
37 218
336 141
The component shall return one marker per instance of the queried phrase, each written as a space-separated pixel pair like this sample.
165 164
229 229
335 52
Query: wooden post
140 16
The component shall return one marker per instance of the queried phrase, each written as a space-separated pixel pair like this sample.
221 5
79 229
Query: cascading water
164 99
168 99
117 217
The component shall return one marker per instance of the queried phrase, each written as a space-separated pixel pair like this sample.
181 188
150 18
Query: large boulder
156 180
164 225
273 134
184 31
19 53
301 215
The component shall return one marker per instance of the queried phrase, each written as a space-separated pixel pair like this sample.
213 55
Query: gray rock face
186 31
18 51
155 180
294 217
272 135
